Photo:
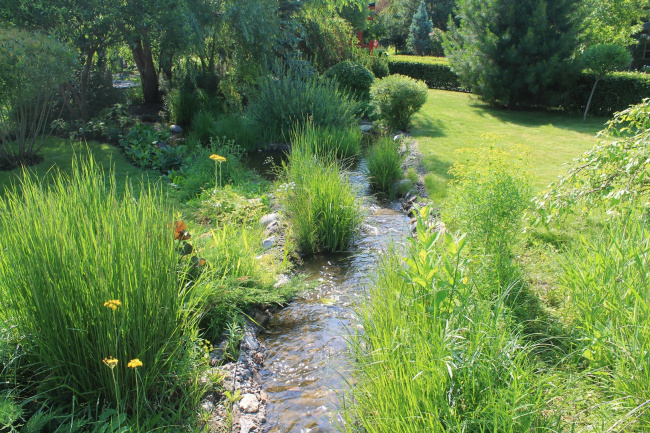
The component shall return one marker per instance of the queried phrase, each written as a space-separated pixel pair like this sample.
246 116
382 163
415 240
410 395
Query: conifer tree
419 39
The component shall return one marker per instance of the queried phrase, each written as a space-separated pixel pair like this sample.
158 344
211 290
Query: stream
307 362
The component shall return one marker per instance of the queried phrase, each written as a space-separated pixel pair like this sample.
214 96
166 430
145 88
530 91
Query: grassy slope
58 153
452 120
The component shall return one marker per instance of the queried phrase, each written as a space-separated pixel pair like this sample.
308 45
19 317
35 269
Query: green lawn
450 121
58 154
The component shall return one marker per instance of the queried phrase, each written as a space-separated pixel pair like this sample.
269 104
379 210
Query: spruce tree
419 40
514 53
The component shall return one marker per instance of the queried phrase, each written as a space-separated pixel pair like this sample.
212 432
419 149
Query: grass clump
325 141
438 352
87 276
384 165
321 204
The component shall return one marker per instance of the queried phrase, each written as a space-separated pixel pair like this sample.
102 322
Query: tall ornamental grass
438 353
320 202
607 286
91 281
384 165
341 142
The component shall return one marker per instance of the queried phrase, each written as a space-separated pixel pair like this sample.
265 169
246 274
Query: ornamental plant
397 98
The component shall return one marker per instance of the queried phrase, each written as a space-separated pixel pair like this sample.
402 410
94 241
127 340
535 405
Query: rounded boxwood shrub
353 78
397 98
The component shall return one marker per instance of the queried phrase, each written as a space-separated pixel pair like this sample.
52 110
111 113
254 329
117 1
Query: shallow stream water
307 362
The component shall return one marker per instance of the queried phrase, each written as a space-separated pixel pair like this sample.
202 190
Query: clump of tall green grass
384 165
607 286
87 276
438 352
321 204
323 140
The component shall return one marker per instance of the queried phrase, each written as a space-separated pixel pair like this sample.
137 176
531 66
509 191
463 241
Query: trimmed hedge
434 71
614 93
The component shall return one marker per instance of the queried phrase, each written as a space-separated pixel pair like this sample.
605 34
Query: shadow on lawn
538 117
428 127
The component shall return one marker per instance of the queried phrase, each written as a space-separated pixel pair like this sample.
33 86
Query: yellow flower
217 158
112 304
110 362
134 363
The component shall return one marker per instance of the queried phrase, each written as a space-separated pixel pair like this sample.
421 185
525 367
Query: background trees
419 39
513 53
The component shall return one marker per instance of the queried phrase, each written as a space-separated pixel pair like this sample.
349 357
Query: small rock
246 424
268 219
268 242
398 137
365 129
282 280
249 404
250 342
273 227
264 397
175 129
207 406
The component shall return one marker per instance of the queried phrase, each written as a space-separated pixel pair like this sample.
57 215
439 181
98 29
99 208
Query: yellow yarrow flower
217 158
134 363
110 362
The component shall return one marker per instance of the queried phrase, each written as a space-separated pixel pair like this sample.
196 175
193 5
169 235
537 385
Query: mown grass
450 121
58 154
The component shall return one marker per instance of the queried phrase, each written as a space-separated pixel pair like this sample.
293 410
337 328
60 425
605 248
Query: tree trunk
85 75
584 118
144 61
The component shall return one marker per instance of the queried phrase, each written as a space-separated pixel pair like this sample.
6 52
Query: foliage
605 283
327 141
148 147
356 13
289 99
429 329
239 128
397 98
513 54
615 171
437 38
611 21
197 172
489 194
377 64
603 59
384 165
419 41
353 78
32 67
105 281
182 105
320 203
616 92
226 206
434 71
327 39
395 20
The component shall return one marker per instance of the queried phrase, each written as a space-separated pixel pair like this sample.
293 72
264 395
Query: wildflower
112 304
110 362
217 158
134 363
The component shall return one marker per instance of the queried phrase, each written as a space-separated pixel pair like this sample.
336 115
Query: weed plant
489 194
438 353
321 204
86 275
384 165
241 129
324 141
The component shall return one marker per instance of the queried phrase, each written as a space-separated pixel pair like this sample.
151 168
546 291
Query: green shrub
377 64
384 165
397 98
32 68
203 126
104 281
321 205
616 92
280 103
182 105
434 71
488 196
147 147
326 141
352 77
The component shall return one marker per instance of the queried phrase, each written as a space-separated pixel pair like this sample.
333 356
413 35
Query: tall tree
419 40
513 53
612 21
